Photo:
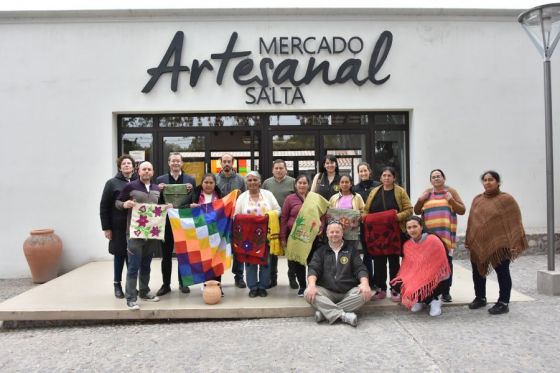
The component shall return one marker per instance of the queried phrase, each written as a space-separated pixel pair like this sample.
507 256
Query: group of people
417 249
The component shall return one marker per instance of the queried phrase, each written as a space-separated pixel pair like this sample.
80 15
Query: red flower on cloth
155 231
157 211
142 221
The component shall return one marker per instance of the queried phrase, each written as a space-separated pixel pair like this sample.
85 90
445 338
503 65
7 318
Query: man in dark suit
175 176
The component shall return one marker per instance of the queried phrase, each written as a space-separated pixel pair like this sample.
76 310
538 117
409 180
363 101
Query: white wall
473 86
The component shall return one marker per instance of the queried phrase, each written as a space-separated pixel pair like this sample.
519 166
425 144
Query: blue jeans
118 265
140 254
263 276
237 269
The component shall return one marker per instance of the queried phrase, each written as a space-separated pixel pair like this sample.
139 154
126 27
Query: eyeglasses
334 222
437 177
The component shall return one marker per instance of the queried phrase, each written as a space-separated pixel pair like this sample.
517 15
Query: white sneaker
435 307
132 305
149 298
350 318
417 307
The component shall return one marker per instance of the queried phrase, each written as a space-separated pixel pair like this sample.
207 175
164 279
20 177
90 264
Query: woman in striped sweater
439 206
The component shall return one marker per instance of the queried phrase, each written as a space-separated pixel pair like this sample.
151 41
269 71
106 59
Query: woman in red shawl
424 272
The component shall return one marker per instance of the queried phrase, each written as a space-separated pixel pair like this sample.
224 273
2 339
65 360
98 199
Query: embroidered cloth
306 227
148 221
350 220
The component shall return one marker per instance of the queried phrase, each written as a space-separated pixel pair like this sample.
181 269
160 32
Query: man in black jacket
175 176
337 280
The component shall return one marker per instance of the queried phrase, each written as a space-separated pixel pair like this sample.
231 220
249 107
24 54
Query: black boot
293 282
118 290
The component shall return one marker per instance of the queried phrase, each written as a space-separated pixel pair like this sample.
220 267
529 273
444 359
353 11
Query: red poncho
423 267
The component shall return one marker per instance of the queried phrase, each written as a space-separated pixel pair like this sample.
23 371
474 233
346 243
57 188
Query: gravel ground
461 340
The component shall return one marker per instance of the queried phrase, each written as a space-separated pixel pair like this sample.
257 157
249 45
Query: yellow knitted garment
273 235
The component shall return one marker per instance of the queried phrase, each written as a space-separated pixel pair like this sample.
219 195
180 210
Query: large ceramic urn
42 250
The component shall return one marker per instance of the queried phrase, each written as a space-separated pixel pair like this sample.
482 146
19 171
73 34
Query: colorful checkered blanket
202 238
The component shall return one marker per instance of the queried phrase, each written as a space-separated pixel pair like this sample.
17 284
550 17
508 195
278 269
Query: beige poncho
494 231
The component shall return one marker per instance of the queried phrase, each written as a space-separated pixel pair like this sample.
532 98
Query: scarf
494 231
382 233
423 267
350 220
440 218
306 227
249 238
273 235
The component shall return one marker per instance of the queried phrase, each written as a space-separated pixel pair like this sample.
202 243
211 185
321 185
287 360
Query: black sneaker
300 292
498 309
253 293
240 283
477 303
262 293
293 283
118 290
446 298
164 289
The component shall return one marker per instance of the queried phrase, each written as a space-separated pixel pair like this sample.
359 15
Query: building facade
459 90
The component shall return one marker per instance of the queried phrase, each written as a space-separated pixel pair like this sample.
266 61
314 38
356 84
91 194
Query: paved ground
525 340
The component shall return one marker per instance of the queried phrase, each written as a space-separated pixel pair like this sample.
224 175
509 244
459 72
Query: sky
19 5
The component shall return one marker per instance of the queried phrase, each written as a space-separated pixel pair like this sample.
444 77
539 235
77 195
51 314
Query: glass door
243 145
297 149
349 149
193 148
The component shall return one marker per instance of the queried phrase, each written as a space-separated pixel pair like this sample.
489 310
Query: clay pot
212 292
42 250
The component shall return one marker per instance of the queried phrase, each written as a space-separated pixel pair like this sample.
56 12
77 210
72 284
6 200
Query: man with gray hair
337 280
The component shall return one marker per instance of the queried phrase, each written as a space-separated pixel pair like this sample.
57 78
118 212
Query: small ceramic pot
212 292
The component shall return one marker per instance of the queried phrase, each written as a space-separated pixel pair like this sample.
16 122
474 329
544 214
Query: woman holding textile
387 207
326 181
347 199
424 271
439 206
290 210
206 192
257 202
495 237
113 220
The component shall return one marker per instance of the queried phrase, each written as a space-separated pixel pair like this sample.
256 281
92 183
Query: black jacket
337 275
111 217
364 187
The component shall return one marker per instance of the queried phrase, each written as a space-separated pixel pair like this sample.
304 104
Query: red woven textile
382 233
249 239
